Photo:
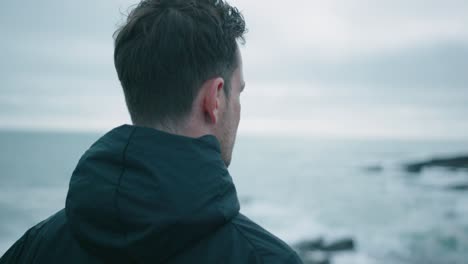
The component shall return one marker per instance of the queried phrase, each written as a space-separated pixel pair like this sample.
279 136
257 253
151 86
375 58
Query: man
159 191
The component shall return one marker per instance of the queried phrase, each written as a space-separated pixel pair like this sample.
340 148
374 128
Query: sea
299 188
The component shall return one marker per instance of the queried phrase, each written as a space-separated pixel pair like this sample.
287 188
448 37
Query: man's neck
188 129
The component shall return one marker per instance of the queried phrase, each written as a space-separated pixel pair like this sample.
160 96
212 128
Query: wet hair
167 49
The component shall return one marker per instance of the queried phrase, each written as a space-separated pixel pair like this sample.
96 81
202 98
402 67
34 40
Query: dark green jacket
139 195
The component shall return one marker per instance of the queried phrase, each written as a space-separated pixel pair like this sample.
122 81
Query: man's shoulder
49 241
26 248
265 245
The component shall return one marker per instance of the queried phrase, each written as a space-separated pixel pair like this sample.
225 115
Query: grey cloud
431 69
62 18
56 51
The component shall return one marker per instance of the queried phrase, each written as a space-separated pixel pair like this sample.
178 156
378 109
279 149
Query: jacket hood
143 195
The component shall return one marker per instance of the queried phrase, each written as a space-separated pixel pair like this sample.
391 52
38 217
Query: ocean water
299 188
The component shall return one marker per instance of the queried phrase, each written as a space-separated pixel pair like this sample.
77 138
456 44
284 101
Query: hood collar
143 195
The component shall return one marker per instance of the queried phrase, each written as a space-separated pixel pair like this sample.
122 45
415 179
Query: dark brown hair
168 48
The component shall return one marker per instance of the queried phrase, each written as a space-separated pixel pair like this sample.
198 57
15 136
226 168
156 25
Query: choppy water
298 188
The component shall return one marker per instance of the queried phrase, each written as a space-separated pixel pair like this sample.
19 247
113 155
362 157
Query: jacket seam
255 250
117 188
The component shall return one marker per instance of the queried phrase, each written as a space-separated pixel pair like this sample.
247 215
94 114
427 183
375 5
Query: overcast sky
344 68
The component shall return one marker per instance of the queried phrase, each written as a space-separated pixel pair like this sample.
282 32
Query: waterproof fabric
140 195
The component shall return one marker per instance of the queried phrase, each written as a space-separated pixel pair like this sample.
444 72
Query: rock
316 251
374 168
458 187
448 163
414 168
310 245
345 244
318 244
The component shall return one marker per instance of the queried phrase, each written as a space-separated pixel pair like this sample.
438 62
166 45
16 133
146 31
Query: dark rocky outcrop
319 244
318 251
374 169
310 245
453 163
346 244
458 187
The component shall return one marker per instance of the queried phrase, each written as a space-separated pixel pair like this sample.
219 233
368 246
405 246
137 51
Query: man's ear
212 99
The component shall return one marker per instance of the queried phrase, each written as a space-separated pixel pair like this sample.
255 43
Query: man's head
180 67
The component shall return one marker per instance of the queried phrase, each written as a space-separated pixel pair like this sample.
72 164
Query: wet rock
310 245
374 169
346 244
318 251
458 187
454 163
